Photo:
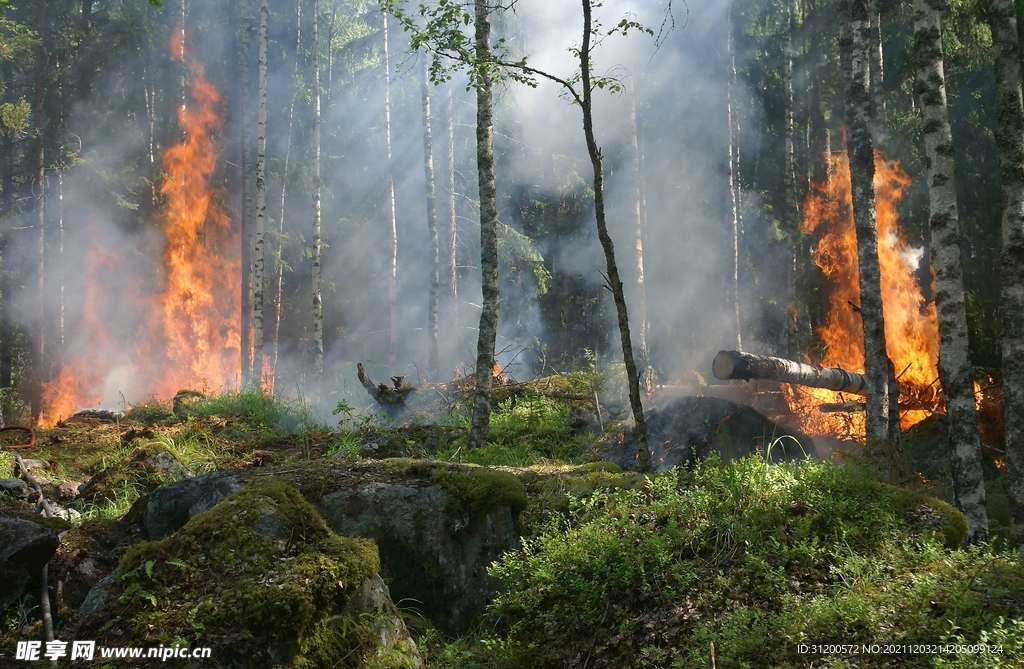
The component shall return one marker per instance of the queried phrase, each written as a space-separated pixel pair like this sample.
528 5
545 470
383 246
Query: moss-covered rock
438 527
260 578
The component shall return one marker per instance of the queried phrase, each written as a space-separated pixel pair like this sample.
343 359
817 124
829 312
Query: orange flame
190 337
911 329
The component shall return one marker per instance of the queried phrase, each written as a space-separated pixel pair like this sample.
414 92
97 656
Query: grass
753 558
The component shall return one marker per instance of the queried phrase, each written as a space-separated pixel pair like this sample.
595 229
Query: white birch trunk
944 221
318 305
261 204
390 212
881 435
1010 148
488 331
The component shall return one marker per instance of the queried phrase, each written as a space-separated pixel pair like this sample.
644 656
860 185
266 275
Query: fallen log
746 366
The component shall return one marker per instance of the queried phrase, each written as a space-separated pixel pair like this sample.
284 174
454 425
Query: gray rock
169 507
31 464
165 463
374 598
15 488
437 563
97 597
69 490
24 548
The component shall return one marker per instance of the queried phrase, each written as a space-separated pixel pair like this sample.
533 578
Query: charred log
391 399
746 366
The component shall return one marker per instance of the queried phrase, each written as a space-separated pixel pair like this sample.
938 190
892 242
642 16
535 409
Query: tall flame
911 330
194 333
190 332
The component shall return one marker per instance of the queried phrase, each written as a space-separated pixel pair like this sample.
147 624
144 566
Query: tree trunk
746 366
245 324
648 377
488 331
881 434
790 210
433 364
451 264
279 259
389 184
944 221
261 203
85 52
731 171
877 87
6 206
1010 147
38 176
318 305
609 250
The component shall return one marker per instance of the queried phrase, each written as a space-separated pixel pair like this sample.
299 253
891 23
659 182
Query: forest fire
910 324
189 337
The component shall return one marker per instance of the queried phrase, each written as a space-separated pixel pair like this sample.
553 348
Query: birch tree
944 221
732 178
279 259
261 203
877 367
1010 148
435 254
318 305
392 225
245 329
38 176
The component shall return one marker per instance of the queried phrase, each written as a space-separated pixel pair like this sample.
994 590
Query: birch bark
944 221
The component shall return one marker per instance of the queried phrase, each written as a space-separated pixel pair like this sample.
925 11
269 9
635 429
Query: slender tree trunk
1010 148
279 260
6 206
452 246
85 52
433 365
791 212
647 375
59 357
39 199
734 221
954 356
609 250
877 87
488 331
318 306
245 328
389 184
881 434
261 203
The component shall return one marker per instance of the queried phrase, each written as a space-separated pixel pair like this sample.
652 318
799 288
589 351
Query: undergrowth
754 558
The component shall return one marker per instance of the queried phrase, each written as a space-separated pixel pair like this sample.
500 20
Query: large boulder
263 581
438 528
169 507
25 547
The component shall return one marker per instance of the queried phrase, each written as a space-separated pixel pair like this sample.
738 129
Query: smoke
111 257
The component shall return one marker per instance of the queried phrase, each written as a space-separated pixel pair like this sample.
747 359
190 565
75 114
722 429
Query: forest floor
756 565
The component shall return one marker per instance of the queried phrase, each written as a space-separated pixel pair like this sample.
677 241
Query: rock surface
25 547
259 578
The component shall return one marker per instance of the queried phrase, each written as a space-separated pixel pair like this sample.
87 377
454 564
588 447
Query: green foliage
754 558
